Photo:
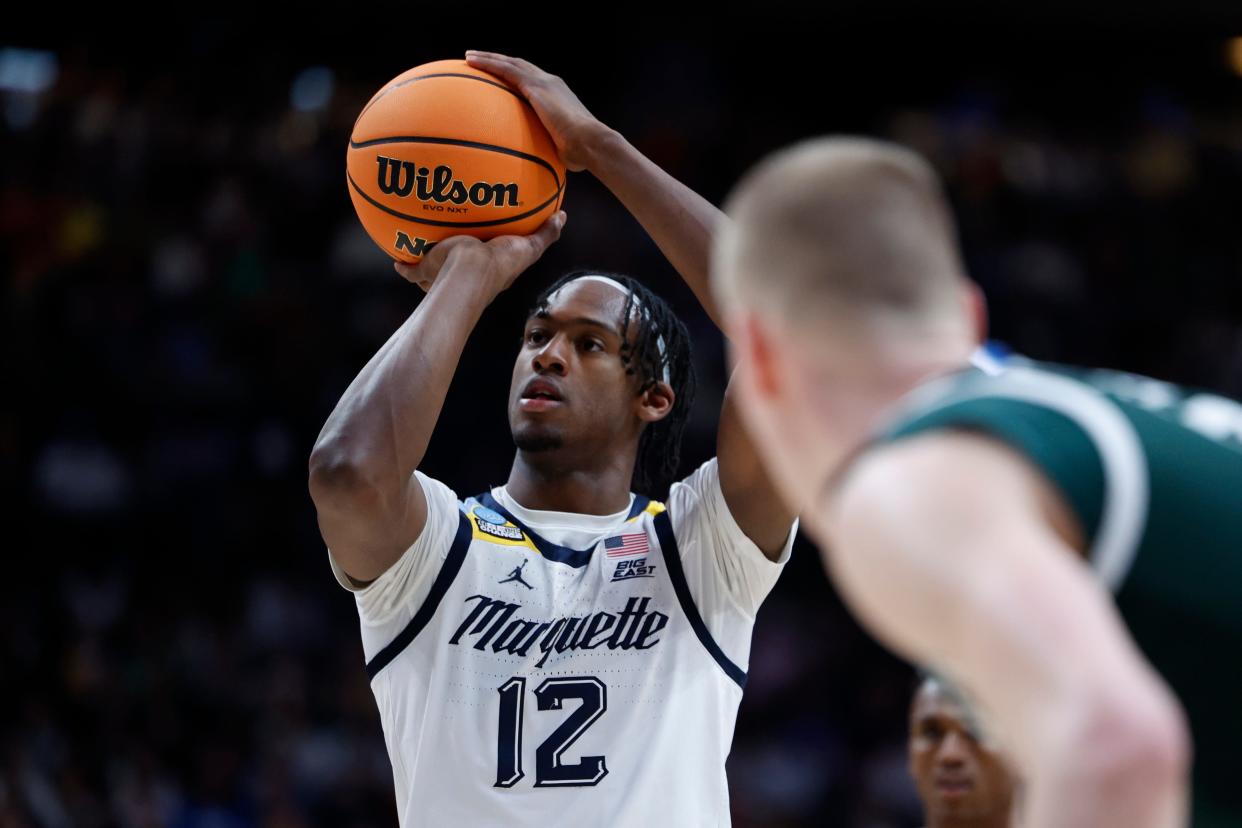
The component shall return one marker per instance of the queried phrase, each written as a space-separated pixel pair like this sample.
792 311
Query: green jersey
1153 472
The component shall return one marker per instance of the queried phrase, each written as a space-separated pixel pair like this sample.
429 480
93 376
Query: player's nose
953 749
551 358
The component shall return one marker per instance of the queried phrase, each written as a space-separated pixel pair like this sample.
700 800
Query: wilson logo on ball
401 178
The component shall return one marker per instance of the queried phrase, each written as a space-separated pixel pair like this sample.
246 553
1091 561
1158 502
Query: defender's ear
656 402
752 352
976 310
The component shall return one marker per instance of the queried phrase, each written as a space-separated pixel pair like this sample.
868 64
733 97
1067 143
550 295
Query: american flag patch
618 546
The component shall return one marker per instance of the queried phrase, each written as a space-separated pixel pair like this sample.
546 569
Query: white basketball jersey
546 668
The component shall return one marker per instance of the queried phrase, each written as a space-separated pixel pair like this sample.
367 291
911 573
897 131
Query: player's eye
536 336
591 344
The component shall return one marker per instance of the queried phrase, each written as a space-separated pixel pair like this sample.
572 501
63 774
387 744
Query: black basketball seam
437 75
424 139
435 223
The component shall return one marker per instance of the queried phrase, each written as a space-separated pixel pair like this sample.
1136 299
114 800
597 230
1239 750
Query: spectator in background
961 779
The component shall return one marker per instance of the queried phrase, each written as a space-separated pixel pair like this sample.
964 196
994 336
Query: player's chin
530 437
958 805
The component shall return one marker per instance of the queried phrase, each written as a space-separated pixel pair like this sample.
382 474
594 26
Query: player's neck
600 490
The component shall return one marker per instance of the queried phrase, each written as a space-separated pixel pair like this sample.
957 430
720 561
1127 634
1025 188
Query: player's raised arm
969 573
370 505
678 220
681 223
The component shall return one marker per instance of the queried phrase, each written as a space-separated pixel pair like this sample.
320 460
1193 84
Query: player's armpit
359 584
941 544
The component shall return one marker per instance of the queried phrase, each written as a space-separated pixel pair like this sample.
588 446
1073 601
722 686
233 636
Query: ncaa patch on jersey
489 516
506 532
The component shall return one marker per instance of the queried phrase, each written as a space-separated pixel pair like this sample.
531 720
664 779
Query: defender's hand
570 124
497 262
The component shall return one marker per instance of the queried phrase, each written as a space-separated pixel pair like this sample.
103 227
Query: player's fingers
499 64
514 70
516 62
516 253
496 56
408 272
503 71
526 66
543 238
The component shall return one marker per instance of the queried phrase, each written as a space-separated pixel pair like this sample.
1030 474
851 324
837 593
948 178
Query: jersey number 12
550 770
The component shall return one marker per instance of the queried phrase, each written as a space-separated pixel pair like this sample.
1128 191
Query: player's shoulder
917 465
435 486
905 481
696 505
972 394
693 490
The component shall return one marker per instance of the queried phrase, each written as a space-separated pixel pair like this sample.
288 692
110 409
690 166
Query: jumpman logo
516 575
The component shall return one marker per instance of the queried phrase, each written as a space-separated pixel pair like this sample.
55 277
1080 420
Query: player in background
962 780
558 650
977 522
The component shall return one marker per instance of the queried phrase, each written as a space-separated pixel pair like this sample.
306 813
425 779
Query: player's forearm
678 220
378 432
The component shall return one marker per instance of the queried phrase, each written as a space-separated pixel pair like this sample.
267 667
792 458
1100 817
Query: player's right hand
497 261
572 126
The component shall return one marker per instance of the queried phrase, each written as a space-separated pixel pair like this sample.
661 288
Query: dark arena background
187 292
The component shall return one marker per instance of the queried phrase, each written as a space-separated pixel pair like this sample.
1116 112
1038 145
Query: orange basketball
444 150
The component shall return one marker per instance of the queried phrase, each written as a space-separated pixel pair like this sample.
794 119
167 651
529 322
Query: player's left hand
496 262
568 121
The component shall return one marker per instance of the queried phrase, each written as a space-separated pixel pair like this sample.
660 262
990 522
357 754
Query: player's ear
976 309
656 402
753 355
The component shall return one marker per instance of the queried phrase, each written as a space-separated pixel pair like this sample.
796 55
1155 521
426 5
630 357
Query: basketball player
558 650
977 521
962 780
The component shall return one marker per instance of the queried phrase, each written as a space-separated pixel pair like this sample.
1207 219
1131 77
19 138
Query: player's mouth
954 787
540 395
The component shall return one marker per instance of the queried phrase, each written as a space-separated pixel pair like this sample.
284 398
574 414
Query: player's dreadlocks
660 350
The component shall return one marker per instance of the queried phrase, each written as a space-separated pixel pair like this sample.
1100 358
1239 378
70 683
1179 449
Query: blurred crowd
188 292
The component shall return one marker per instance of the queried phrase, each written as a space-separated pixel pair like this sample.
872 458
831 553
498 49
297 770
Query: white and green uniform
1153 472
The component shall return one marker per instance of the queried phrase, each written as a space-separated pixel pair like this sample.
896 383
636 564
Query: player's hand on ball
497 261
567 120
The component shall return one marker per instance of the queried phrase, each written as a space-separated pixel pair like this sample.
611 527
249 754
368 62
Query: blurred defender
558 650
962 780
962 512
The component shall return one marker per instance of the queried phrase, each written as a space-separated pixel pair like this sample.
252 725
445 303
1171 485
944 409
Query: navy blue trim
640 505
577 558
672 560
452 565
